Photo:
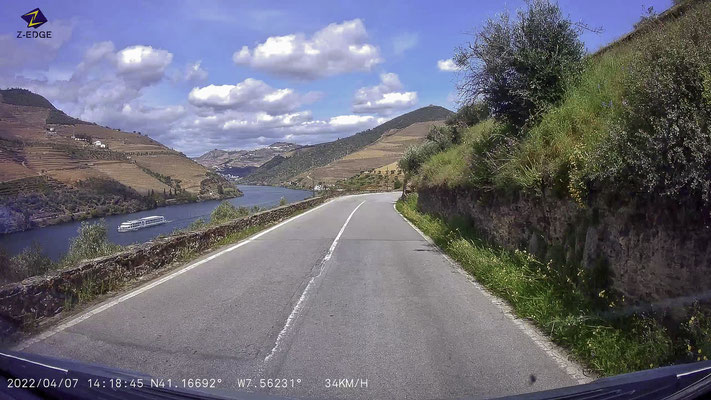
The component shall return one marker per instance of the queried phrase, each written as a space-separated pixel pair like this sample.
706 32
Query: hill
385 151
242 162
281 170
55 168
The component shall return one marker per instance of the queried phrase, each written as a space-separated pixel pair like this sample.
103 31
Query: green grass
456 166
559 149
552 302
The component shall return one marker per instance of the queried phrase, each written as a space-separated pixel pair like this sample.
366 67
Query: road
346 290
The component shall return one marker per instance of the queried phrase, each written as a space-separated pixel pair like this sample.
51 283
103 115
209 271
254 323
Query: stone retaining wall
652 252
38 298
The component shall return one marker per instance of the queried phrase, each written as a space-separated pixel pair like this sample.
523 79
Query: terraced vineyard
52 167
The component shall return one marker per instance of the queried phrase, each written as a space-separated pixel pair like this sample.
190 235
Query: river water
55 239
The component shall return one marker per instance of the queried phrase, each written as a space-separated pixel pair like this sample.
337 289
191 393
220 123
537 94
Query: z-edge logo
34 18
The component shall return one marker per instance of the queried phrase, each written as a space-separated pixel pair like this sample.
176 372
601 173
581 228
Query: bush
30 262
397 184
226 211
519 67
415 156
283 202
469 115
91 242
662 144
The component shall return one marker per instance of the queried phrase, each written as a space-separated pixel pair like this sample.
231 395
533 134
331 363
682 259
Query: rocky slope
242 162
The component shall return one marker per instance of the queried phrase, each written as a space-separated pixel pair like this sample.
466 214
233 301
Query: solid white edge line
59 328
557 353
34 362
299 304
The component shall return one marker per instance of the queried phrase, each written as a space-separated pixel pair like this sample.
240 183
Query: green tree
519 66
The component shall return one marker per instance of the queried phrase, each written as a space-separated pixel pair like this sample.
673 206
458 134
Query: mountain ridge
281 171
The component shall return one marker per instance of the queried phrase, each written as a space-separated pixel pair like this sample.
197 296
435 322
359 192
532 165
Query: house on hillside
98 143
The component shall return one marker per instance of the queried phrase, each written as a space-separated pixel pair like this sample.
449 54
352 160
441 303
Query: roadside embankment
649 252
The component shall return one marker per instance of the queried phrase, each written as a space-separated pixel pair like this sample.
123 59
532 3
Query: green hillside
23 97
282 169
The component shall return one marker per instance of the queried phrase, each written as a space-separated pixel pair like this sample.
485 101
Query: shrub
415 156
30 262
662 144
397 184
469 115
283 202
519 66
226 211
197 224
91 242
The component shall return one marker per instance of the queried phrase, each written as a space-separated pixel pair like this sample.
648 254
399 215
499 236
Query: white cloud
385 98
195 72
404 42
249 95
335 49
447 65
143 64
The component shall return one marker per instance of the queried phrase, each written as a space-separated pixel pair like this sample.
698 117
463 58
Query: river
55 239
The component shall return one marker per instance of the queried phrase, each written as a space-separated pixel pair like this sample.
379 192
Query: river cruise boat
136 224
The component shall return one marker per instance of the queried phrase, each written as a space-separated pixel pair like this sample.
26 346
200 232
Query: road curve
346 291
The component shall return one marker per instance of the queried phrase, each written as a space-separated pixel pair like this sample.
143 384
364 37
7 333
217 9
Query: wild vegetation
561 307
632 121
92 241
636 117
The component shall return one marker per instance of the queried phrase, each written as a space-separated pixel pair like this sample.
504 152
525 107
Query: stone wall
653 252
41 297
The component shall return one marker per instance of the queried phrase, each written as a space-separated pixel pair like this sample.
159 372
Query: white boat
136 224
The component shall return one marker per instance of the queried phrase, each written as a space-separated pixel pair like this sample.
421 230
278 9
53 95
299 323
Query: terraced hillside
55 168
385 151
285 170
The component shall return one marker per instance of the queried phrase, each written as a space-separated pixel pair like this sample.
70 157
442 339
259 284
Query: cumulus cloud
104 83
335 49
447 65
404 42
144 64
385 98
249 95
194 72
107 87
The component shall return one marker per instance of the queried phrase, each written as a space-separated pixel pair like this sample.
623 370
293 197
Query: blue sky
198 75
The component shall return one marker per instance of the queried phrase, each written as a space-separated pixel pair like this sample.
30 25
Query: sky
198 75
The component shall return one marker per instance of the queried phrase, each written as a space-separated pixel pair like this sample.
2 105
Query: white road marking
558 354
59 328
34 362
299 304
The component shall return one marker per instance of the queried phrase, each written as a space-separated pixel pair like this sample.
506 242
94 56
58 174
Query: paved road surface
348 290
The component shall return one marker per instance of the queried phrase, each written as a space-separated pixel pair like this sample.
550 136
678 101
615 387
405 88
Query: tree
519 67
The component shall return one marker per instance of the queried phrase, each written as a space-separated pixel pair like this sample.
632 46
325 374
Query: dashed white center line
300 303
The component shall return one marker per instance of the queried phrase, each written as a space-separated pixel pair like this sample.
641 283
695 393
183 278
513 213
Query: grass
560 147
552 302
557 150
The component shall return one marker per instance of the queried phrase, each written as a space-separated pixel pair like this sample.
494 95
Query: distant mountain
242 162
55 168
285 169
385 151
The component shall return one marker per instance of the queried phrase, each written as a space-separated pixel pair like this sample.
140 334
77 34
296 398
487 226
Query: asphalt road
346 291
